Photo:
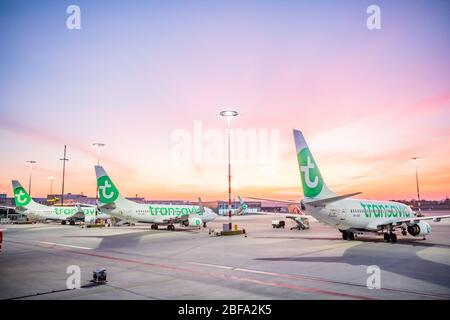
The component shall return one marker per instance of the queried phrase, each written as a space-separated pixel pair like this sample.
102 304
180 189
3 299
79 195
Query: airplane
243 208
114 204
36 211
353 216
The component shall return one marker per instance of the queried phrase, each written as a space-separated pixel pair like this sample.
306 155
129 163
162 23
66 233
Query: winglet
200 204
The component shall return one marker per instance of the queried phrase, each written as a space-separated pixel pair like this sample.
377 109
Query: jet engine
419 229
193 222
89 219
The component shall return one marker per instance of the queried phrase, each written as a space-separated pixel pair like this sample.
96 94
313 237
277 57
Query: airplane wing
269 213
86 205
200 204
173 220
315 203
417 219
78 215
392 221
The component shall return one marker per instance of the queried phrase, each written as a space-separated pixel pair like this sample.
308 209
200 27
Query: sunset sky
139 71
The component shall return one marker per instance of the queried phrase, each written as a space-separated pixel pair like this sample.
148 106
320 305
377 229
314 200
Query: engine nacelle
89 219
419 229
193 222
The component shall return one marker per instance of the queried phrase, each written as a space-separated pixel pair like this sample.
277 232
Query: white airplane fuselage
59 213
359 214
157 213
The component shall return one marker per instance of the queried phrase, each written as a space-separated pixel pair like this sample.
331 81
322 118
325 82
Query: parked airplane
36 211
243 208
114 204
352 216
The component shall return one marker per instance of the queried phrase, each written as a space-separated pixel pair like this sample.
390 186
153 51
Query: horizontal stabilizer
323 202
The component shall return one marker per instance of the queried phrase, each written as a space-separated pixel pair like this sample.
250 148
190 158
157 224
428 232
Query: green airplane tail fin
314 187
107 191
21 196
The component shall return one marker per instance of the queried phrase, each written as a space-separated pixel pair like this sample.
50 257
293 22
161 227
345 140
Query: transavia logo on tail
107 190
21 196
311 179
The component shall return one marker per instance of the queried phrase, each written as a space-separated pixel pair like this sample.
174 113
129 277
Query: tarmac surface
191 264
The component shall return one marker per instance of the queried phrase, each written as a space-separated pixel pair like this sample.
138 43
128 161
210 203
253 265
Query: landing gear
154 227
347 235
63 222
404 232
204 224
390 237
72 223
171 227
393 237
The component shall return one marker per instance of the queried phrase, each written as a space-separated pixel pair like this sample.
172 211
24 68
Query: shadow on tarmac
127 239
396 258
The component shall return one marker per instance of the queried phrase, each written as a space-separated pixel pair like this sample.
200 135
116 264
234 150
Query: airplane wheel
393 237
72 223
351 236
204 224
387 238
63 222
171 227
344 235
